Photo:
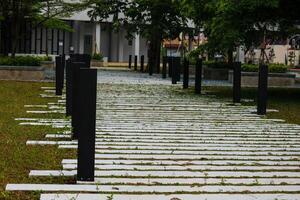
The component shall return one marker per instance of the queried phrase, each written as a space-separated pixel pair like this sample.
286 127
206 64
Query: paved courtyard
155 141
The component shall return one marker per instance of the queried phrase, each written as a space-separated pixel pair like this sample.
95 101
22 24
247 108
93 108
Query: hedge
273 68
23 60
97 56
217 65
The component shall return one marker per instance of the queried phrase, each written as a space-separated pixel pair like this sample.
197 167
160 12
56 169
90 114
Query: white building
88 37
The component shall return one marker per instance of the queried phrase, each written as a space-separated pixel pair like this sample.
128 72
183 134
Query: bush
98 56
273 68
216 65
23 60
194 55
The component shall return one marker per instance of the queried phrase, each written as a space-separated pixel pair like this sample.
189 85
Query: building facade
88 38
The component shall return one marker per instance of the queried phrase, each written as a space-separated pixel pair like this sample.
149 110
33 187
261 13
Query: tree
153 19
47 13
245 22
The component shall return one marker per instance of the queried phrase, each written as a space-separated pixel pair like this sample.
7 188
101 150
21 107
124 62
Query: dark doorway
88 44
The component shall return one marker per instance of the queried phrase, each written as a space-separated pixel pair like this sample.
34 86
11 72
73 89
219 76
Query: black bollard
262 90
150 68
75 94
135 63
164 68
237 82
59 75
129 61
63 61
142 63
69 75
83 58
186 74
198 76
175 69
87 93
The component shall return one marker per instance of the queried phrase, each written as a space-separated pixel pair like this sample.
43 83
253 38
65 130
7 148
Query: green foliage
230 23
97 56
273 68
155 20
217 65
193 55
111 197
164 18
23 60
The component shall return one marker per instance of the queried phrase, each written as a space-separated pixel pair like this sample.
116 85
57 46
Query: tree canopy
229 23
153 19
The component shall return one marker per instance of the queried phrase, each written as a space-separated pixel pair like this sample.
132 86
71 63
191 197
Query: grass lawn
287 101
17 159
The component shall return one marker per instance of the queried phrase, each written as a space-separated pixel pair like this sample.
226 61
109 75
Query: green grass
17 159
287 101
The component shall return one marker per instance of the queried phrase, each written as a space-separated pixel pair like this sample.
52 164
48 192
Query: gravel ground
129 77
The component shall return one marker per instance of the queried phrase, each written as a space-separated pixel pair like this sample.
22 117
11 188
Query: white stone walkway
155 142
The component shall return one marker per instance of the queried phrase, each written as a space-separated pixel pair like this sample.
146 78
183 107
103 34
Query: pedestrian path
154 141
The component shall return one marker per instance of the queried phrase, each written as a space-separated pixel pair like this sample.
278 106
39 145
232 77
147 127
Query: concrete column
81 34
121 47
240 54
98 38
76 37
137 45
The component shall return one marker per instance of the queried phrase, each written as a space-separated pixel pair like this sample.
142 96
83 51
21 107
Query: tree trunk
157 55
230 56
154 53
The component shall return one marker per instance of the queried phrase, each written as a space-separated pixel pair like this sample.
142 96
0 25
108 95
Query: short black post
135 63
69 75
87 93
237 82
175 69
58 75
198 76
170 64
84 58
75 97
186 74
63 62
150 68
262 90
164 67
142 63
130 61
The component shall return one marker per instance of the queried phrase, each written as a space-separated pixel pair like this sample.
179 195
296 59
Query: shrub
216 65
249 68
23 60
273 68
193 55
97 56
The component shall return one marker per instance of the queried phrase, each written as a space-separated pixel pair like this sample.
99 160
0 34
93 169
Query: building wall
143 50
113 45
105 41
